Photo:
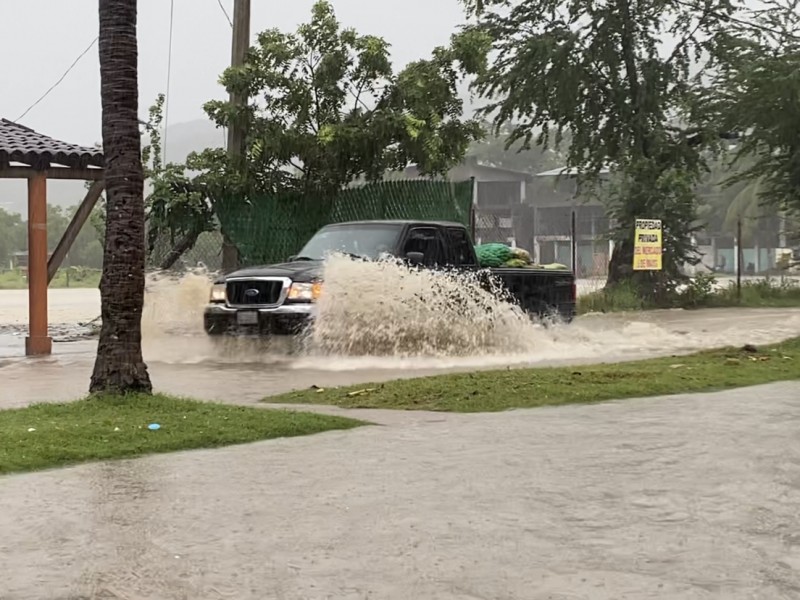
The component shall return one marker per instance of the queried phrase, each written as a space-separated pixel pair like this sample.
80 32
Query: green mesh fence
270 229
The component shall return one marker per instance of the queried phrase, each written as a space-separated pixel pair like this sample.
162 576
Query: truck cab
281 299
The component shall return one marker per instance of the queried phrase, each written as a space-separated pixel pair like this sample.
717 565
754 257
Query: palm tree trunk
119 366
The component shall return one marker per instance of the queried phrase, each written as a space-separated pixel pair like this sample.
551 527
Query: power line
169 78
57 83
225 12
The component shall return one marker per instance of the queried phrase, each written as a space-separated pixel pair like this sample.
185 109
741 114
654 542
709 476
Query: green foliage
597 71
327 108
13 237
177 206
86 251
701 291
767 292
623 297
654 189
497 150
755 92
698 291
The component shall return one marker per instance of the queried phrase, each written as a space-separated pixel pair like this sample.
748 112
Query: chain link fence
548 234
205 253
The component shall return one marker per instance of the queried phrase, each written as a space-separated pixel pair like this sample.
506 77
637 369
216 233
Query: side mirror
415 258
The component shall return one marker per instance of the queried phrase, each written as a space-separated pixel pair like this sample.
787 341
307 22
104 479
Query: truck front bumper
289 319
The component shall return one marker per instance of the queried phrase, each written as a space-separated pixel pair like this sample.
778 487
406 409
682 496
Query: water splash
385 308
384 316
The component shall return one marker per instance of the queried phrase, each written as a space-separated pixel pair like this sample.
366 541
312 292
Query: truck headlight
218 293
308 292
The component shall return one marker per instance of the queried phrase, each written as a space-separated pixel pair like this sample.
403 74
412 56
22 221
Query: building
535 213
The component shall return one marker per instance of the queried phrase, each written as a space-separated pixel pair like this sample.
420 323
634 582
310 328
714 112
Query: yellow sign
647 245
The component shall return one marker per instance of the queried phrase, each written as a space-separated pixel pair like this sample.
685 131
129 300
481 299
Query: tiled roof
19 144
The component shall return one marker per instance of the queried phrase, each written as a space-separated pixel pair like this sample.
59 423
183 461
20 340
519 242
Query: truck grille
254 292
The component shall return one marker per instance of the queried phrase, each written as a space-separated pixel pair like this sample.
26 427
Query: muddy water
686 497
393 335
690 498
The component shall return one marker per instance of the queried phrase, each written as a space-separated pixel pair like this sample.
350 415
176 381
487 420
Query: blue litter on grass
154 426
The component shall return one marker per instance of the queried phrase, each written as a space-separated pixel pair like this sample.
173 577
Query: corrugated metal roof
20 144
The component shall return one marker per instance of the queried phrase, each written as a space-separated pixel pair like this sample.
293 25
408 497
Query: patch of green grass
111 427
620 298
769 292
525 388
764 293
75 277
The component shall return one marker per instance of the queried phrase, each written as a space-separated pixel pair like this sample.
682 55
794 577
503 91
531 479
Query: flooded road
189 365
183 361
688 497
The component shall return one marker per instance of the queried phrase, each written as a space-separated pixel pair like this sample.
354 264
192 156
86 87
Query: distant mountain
192 136
181 139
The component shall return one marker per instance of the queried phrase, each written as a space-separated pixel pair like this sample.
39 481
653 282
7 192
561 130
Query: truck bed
540 291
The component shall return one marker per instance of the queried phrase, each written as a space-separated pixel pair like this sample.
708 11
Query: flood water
373 327
687 497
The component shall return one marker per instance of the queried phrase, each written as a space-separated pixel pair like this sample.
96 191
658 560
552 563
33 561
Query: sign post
647 245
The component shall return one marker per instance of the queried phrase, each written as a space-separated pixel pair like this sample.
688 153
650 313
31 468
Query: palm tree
119 366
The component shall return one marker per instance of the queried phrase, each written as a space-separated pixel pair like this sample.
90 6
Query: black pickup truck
280 299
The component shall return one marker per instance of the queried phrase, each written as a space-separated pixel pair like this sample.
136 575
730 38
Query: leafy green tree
13 237
87 249
599 72
57 222
328 109
756 92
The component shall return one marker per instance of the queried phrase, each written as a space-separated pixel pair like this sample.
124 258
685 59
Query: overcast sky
41 38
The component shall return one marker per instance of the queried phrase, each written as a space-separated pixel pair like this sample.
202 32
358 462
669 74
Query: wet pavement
685 497
688 497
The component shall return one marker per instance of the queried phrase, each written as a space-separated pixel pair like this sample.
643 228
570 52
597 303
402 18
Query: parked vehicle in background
281 299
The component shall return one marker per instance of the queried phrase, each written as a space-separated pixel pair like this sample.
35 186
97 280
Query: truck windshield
366 241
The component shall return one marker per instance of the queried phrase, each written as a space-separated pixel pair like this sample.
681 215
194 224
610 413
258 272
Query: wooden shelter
26 154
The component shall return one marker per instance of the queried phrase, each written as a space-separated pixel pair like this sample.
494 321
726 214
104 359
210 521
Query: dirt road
690 497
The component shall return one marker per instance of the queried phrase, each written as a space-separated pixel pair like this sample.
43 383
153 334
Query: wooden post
37 343
236 134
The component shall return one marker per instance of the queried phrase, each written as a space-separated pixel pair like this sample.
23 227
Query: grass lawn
68 277
524 388
100 428
774 292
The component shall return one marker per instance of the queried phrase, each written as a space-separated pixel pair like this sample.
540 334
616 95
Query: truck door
460 250
427 241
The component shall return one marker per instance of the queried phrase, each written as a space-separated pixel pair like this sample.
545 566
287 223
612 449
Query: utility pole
236 134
